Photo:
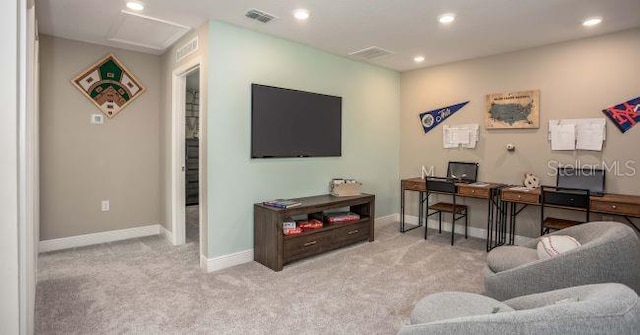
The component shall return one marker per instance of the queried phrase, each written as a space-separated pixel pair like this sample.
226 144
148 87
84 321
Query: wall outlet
105 205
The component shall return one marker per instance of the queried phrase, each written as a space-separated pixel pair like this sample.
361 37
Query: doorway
188 157
192 157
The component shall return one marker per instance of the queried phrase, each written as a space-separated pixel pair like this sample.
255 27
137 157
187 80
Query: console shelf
274 250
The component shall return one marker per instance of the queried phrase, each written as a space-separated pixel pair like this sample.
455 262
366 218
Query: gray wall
82 164
576 79
9 273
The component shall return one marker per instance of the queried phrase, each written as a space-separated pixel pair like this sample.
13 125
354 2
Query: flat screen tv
291 123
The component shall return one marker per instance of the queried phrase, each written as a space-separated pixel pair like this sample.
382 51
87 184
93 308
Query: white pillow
554 245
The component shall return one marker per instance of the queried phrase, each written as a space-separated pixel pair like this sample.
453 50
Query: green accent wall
370 130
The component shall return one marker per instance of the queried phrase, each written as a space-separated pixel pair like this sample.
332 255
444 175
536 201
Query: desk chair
564 198
445 186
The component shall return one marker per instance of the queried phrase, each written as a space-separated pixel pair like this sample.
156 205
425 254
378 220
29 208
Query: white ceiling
406 27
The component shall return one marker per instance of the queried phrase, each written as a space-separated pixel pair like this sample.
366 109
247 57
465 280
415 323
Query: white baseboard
97 238
473 231
167 234
226 261
389 219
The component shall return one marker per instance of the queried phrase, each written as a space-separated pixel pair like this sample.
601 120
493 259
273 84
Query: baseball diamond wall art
433 118
624 115
109 85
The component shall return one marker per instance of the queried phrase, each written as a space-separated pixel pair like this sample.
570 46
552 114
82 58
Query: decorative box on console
345 187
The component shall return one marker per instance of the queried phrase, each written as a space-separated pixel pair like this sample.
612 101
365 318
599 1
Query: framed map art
516 110
109 85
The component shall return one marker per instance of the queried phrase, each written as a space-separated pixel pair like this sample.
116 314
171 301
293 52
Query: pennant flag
432 119
625 115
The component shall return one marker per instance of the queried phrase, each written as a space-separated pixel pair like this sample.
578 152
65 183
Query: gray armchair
609 252
590 309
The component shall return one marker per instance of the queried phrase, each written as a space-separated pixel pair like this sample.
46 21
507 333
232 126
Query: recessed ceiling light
135 5
301 14
447 18
418 59
592 21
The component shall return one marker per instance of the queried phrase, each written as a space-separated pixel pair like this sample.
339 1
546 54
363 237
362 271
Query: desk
496 218
624 205
503 202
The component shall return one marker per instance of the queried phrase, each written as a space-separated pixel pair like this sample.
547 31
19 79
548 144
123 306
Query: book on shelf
310 224
341 217
282 203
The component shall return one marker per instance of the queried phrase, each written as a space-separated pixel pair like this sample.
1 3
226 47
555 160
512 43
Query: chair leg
439 222
453 226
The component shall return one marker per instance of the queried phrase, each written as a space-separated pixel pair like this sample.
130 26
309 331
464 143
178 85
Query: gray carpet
147 286
192 231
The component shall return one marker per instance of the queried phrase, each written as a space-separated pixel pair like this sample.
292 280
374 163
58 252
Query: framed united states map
513 110
109 85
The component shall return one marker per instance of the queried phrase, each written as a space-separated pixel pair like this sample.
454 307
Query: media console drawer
304 246
296 247
352 233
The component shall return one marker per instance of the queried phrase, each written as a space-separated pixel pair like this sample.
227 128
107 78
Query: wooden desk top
464 189
610 203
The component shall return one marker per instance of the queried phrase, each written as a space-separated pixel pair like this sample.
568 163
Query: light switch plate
105 205
97 119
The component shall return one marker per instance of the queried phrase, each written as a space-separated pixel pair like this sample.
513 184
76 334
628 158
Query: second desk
496 217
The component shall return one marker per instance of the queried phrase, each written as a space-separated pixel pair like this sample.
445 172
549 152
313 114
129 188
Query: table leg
420 208
402 229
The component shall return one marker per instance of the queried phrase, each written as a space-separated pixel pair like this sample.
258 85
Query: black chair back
572 198
567 197
440 185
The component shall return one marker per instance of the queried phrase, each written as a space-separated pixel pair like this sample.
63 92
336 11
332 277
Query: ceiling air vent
187 49
371 53
259 15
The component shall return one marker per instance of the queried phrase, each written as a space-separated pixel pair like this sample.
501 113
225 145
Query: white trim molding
97 238
167 234
178 89
473 231
389 219
226 261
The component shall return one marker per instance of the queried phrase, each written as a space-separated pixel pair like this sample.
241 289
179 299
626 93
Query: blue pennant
432 119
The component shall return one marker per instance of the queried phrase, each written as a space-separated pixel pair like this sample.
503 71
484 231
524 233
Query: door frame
178 184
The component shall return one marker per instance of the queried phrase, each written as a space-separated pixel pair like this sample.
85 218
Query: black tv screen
290 123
